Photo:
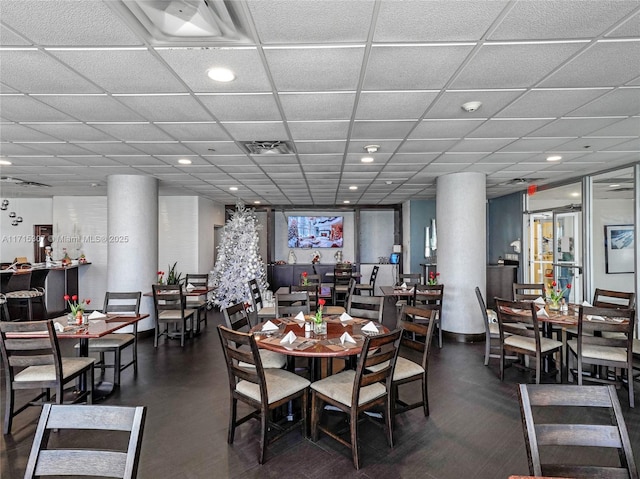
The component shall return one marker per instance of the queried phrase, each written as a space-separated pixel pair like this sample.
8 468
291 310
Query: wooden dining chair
171 310
410 279
433 295
521 340
605 340
491 330
563 423
127 304
528 291
291 304
63 456
370 287
263 390
337 309
342 275
260 311
236 319
603 298
354 392
36 363
369 307
199 303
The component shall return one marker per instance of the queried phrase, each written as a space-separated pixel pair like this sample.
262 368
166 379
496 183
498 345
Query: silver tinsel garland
238 259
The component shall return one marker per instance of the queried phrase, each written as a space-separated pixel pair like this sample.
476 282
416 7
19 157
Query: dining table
97 328
315 346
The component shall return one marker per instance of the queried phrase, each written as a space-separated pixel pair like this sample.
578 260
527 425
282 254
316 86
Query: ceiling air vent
19 182
185 22
273 147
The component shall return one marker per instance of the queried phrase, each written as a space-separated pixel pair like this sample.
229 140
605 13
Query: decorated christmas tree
238 259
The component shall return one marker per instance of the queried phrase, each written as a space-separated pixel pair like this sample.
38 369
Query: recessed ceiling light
184 161
257 202
615 185
389 182
233 188
366 159
5 162
554 158
575 193
346 202
221 74
353 187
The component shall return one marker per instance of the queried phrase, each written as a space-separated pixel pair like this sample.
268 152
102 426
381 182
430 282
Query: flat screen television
314 231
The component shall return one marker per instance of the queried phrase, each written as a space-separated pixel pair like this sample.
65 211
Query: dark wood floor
474 430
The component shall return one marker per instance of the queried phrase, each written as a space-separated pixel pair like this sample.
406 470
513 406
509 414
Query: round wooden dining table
312 345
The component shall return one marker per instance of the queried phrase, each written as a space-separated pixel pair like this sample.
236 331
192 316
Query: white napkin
539 300
591 317
346 338
403 286
190 287
299 316
543 312
59 327
269 326
289 338
97 315
587 303
345 317
370 327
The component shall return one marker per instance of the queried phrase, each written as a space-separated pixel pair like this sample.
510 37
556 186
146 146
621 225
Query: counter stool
26 298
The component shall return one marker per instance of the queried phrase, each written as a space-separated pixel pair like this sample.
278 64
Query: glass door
540 247
567 254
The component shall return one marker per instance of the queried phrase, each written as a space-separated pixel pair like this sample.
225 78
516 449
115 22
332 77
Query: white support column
462 237
132 228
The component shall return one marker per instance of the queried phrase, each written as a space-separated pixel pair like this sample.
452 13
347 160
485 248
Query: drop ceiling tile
19 133
318 130
574 126
550 103
122 71
628 127
320 147
608 63
94 161
426 146
428 129
72 132
90 107
628 28
329 161
9 149
557 19
317 105
485 167
93 22
378 160
162 148
632 145
587 145
415 21
621 101
521 65
292 21
24 108
254 107
386 147
23 70
109 148
167 108
463 158
449 104
275 160
534 144
260 131
382 129
412 67
193 131
481 144
507 128
133 131
221 158
40 162
393 105
191 65
413 158
139 160
58 148
9 38
305 69
506 158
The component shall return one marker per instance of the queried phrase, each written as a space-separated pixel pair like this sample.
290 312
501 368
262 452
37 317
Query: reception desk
60 280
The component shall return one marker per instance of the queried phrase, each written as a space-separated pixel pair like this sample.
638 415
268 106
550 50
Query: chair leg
155 336
387 421
135 354
8 409
305 403
264 422
353 420
538 368
102 363
425 395
501 364
439 333
232 420
316 408
487 349
89 382
116 366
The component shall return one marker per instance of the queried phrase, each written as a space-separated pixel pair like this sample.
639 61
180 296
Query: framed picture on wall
618 246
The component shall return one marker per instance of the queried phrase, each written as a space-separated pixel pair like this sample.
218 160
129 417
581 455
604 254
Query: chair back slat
21 352
549 415
376 350
122 302
592 321
69 460
199 280
255 295
527 291
410 279
241 347
604 298
291 304
369 307
235 317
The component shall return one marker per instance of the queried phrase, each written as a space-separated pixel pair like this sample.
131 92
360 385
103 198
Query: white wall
18 240
304 254
210 215
609 212
376 234
178 234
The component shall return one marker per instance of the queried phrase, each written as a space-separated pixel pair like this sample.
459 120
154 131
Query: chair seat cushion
175 314
27 293
405 368
70 366
339 387
593 351
270 359
280 384
111 341
364 286
269 311
524 342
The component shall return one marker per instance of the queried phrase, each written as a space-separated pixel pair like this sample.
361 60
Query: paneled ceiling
85 94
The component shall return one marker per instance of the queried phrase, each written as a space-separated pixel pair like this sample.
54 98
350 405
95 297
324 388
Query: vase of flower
319 325
77 308
555 295
554 305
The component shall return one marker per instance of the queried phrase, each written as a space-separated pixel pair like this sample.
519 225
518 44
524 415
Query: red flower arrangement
75 306
555 294
433 278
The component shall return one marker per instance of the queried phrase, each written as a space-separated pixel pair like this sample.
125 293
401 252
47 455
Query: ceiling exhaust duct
272 147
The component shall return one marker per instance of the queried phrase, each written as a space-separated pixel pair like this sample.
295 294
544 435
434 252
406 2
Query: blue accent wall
504 225
421 214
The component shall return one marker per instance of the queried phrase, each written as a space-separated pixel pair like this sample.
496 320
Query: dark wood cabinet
279 275
500 279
